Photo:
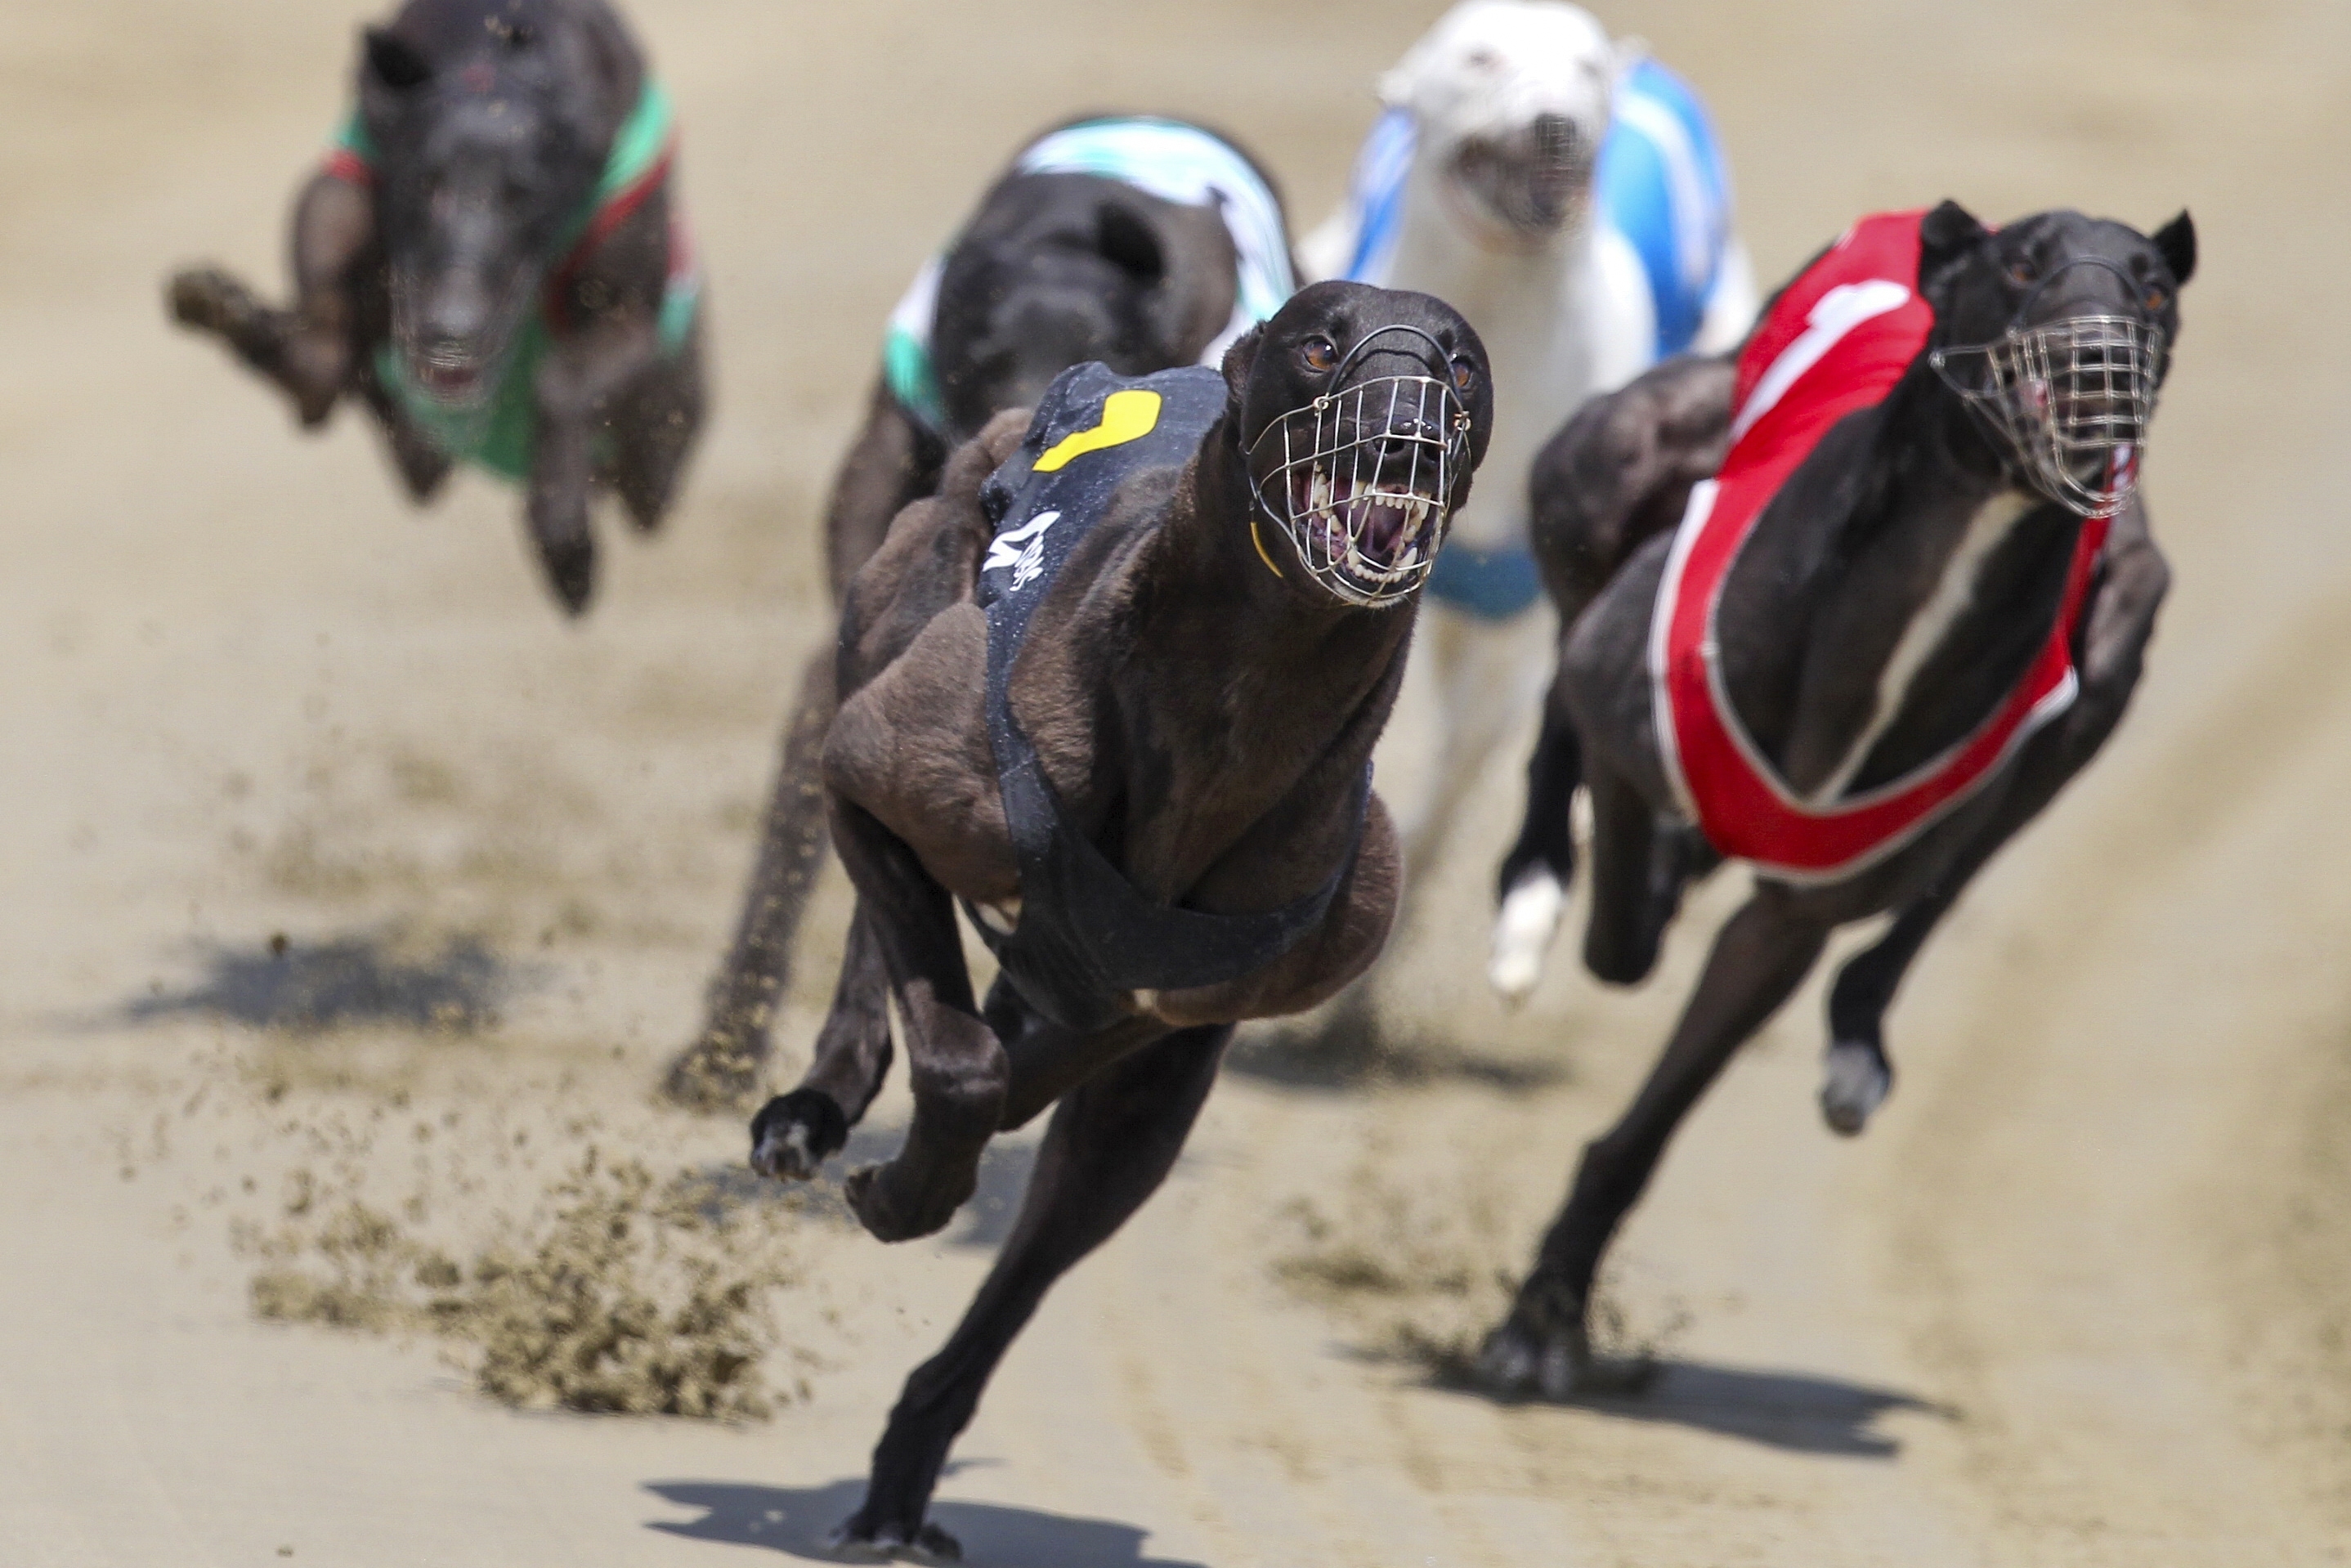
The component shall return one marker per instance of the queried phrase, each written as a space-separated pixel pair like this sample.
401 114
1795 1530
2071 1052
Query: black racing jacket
1086 936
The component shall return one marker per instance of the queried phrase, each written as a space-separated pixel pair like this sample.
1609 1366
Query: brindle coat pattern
1842 560
1205 723
493 121
1052 270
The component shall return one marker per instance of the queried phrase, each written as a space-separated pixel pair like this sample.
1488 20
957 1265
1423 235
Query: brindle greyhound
1054 269
1153 795
491 261
1890 594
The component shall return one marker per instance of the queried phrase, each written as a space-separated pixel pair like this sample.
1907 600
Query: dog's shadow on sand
798 1521
1802 1413
369 977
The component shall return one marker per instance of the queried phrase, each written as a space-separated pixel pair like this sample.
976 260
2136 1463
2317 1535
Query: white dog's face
1511 98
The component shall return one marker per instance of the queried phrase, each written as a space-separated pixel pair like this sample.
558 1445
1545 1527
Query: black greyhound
492 259
1900 586
1119 696
1054 269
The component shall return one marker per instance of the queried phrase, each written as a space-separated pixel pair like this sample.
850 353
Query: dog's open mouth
450 372
1363 480
1532 182
1382 536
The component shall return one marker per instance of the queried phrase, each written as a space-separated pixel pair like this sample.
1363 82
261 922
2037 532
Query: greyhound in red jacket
1116 688
1853 609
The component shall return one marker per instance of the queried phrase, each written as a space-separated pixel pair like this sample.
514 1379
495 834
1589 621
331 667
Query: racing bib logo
1022 549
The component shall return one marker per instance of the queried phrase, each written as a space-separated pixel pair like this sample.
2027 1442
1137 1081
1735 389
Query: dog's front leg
310 349
956 1065
794 1133
578 380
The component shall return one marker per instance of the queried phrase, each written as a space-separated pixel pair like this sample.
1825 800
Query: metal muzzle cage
1361 480
2068 402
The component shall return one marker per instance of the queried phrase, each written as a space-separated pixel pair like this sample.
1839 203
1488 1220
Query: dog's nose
458 310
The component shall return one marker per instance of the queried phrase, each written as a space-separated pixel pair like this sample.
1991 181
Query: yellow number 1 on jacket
1126 415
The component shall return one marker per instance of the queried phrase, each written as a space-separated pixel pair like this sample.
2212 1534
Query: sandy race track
339 870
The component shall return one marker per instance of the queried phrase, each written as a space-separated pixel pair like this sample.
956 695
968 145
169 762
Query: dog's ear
1949 231
1399 85
393 62
1126 240
2176 242
1946 237
1239 359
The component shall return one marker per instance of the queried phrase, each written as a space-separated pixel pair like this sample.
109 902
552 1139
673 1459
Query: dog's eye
2022 272
1320 353
2155 297
1482 59
1465 375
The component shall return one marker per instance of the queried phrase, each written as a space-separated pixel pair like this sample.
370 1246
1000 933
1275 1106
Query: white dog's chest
1557 329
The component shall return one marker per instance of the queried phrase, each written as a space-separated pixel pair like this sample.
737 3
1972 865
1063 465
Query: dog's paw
571 565
794 1133
879 1196
874 1542
1523 1360
207 300
1856 1079
1523 933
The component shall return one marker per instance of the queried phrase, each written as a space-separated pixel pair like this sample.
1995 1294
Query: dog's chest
1955 594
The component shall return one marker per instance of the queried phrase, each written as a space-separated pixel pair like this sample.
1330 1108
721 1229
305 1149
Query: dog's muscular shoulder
910 743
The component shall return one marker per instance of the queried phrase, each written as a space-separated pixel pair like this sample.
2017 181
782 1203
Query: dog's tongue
1378 527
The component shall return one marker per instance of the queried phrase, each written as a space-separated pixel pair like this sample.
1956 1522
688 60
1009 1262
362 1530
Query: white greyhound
1566 194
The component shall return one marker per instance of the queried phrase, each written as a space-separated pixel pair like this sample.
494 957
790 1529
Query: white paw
1523 933
785 1154
1853 1082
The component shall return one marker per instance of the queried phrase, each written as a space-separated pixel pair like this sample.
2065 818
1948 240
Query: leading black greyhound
1120 699
1890 597
1054 269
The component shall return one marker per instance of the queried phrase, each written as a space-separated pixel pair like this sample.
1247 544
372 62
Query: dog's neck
1246 697
1932 597
1219 565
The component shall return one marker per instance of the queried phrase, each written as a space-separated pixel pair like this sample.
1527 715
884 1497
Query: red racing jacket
1837 338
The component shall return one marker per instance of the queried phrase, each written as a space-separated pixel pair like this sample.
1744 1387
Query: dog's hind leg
721 1065
888 468
794 1133
1640 865
1759 957
1536 873
1111 1142
958 1068
1486 675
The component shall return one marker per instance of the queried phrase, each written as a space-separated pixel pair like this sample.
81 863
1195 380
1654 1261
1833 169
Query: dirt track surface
2075 1299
